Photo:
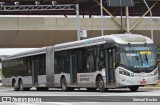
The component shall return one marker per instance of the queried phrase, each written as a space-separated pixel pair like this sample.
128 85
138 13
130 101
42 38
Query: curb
149 88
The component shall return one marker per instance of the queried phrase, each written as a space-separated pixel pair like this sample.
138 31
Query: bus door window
111 56
101 58
92 53
73 65
34 71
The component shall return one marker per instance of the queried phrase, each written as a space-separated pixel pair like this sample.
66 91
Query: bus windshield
137 56
138 59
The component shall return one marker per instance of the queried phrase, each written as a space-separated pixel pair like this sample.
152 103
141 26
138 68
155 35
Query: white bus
105 62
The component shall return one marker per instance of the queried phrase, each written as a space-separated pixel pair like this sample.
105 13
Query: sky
12 51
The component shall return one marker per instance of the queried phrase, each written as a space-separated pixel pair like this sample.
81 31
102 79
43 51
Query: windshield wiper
146 58
138 62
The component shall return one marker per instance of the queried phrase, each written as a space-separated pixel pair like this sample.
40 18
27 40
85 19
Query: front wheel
100 85
133 88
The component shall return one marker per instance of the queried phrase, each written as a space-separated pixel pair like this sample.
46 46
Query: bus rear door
73 68
34 71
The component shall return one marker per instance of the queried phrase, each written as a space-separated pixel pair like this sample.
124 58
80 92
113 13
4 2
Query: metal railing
37 8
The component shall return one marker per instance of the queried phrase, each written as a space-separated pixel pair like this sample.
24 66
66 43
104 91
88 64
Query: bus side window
65 61
114 58
82 60
57 62
92 52
101 58
117 55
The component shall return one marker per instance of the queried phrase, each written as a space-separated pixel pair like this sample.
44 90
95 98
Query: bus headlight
124 72
156 72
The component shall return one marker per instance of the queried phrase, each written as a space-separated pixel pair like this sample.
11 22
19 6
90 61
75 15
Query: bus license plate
142 82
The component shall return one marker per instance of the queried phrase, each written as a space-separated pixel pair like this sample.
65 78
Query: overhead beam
140 19
127 18
37 8
111 15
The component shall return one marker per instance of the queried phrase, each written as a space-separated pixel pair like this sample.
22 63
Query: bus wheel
42 88
133 88
21 88
91 89
100 84
26 89
71 89
64 84
16 88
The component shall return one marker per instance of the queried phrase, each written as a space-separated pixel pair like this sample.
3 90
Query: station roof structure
29 32
87 7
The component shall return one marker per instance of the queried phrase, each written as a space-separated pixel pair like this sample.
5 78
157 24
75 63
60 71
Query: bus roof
27 53
117 38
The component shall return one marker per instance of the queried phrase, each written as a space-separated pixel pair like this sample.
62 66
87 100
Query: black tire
133 88
38 89
100 84
15 87
71 89
42 88
21 88
91 89
26 89
64 85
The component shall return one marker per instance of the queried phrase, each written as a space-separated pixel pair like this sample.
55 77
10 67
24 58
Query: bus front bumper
138 79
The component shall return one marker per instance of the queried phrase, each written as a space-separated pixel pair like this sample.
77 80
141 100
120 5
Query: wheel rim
21 87
63 85
14 84
133 88
101 84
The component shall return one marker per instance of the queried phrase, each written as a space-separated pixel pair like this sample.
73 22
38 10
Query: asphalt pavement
58 97
8 91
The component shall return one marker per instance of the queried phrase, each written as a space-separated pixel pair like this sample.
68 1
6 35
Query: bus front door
73 69
110 69
34 72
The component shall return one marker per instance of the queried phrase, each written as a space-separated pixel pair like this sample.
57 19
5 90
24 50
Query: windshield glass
138 57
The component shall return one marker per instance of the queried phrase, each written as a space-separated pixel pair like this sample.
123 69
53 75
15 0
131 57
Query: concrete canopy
87 7
29 32
39 31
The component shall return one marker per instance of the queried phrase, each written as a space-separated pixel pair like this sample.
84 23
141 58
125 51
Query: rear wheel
91 89
42 88
64 84
21 88
133 88
16 88
71 89
26 89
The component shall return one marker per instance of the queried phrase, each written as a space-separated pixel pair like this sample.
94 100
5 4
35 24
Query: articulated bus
102 63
